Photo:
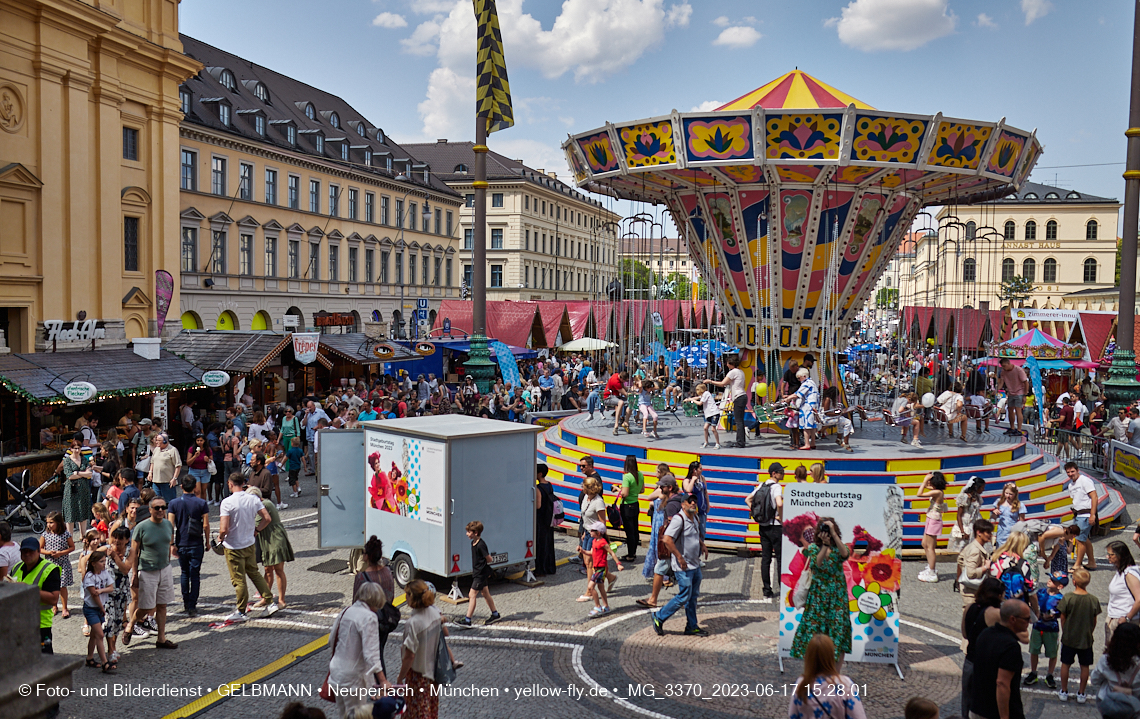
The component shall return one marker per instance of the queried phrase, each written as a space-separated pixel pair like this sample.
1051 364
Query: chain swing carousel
791 200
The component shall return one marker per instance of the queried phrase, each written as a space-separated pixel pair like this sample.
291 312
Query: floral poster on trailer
855 600
405 477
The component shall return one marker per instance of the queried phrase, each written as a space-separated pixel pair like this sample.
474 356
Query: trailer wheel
403 570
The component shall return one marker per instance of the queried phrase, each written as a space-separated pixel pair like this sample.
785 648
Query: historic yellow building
89 209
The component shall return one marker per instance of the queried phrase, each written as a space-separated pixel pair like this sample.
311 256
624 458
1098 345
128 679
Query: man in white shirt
353 401
734 382
771 531
1117 427
1083 493
242 516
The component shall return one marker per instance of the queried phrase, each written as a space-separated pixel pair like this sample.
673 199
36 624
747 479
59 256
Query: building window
1007 270
291 134
411 269
130 143
450 222
218 253
1010 229
526 202
467 276
218 176
468 238
438 220
271 187
447 270
424 270
384 217
261 93
399 268
334 120
320 143
245 181
399 213
368 157
314 270
131 244
352 263
528 239
496 199
334 201
334 263
259 125
425 220
388 163
470 200
227 80
270 256
384 266
1090 270
184 96
310 111
1090 230
189 249
1029 269
496 275
314 196
411 216
1030 230
496 239
369 265
294 192
245 255
344 151
369 207
189 170
438 264
544 207
294 259
1049 270
526 275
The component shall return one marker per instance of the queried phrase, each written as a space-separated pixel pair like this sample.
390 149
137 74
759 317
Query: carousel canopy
792 198
1035 343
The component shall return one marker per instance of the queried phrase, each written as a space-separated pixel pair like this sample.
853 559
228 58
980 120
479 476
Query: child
97 580
600 552
920 708
801 473
102 519
711 412
1078 620
933 488
1061 538
480 575
113 492
293 458
978 401
92 541
56 546
1045 629
645 407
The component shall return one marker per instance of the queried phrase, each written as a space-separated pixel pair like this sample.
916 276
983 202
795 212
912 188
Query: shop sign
333 319
305 346
80 331
79 391
1023 313
215 378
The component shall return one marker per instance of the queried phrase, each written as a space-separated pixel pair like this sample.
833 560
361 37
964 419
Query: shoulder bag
803 586
444 669
1115 699
613 514
388 616
326 693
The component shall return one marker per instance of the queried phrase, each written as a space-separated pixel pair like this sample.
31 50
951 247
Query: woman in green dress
76 488
826 609
274 547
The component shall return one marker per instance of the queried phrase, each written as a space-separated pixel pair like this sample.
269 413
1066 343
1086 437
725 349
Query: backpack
700 491
1115 700
1014 580
763 511
559 514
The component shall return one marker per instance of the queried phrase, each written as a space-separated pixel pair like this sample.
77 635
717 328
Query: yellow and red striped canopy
794 90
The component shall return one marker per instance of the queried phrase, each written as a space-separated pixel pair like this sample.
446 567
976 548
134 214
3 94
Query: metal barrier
1089 452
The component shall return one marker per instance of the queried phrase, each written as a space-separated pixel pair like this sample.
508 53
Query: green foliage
887 297
1016 290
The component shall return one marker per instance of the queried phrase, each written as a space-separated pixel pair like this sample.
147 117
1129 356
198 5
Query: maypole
493 112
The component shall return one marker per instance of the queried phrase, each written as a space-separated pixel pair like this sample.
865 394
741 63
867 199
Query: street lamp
426 214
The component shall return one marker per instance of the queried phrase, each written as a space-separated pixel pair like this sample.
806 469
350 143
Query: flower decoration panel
888 140
599 153
648 144
1004 159
959 145
803 136
718 139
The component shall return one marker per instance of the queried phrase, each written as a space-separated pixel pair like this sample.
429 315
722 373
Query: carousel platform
878 457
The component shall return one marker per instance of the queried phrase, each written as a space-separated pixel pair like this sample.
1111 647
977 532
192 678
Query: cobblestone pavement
545 658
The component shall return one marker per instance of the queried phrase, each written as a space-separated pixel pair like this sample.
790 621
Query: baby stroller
27 511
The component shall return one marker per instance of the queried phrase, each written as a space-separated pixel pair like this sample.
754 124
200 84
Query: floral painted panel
598 153
649 144
803 136
887 139
718 138
959 145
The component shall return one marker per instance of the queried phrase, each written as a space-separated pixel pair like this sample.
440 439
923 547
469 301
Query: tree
887 297
635 276
1016 290
1116 281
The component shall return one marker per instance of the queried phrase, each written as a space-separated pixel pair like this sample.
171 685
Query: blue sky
1061 66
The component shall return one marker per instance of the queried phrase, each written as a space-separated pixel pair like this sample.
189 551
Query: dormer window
1052 196
261 93
259 125
334 120
310 111
380 138
319 140
224 113
360 130
228 81
344 151
425 174
185 97
1031 196
461 169
388 163
368 157
291 134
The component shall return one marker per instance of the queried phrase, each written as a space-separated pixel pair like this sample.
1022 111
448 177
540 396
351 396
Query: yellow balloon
762 389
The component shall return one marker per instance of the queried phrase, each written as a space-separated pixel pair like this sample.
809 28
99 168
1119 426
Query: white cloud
424 39
389 20
737 36
871 25
722 21
592 39
985 20
1034 9
433 7
707 106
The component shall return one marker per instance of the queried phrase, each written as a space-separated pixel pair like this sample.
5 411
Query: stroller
27 512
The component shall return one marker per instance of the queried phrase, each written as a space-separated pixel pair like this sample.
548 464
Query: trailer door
340 474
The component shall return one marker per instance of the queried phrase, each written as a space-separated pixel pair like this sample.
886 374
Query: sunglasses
159 508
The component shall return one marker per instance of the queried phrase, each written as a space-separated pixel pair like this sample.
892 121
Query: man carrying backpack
766 505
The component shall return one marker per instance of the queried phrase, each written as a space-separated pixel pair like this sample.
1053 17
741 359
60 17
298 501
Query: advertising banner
1124 463
406 477
305 346
1034 368
508 365
1025 314
869 517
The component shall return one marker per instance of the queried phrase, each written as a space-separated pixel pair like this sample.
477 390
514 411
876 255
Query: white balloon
928 400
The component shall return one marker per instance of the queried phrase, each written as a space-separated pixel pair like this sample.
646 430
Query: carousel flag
163 292
508 365
493 92
1038 386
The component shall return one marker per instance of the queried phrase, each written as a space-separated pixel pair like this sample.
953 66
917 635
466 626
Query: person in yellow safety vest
40 573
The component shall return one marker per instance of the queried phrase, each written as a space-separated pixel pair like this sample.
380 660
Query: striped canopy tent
795 89
1093 329
579 314
555 322
601 319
